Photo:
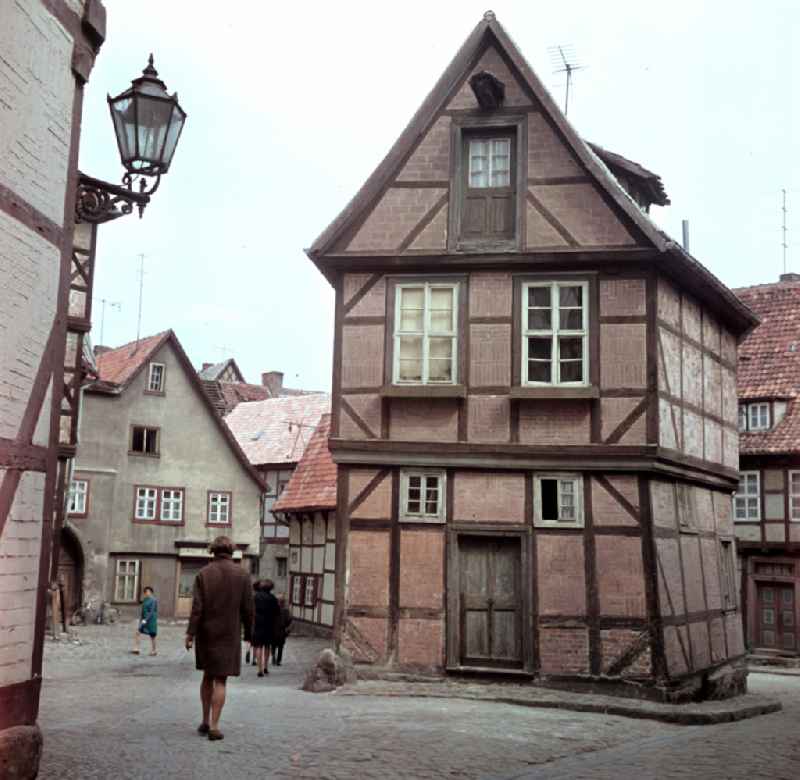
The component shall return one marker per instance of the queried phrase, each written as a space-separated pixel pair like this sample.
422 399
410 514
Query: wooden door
490 602
776 617
69 574
188 571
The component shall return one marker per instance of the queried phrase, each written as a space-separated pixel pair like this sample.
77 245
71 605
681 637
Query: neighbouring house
767 501
273 435
48 52
226 387
308 506
534 411
157 476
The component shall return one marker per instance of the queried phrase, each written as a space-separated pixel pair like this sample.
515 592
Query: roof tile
119 365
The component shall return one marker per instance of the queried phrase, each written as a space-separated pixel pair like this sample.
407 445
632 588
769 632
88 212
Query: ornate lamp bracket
100 201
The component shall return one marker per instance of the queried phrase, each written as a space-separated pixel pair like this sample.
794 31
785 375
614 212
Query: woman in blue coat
148 621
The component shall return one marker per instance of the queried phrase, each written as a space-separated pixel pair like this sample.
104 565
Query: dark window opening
549 499
144 440
282 568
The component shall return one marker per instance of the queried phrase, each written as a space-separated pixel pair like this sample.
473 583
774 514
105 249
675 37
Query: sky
291 106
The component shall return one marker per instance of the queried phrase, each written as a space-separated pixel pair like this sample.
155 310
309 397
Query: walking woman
281 631
148 622
267 615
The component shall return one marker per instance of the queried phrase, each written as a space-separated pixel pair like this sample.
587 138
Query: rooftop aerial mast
563 59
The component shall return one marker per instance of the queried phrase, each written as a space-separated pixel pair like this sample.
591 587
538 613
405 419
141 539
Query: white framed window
146 503
219 508
747 501
297 588
155 378
126 582
743 417
758 417
794 496
310 594
78 496
555 317
422 496
558 500
426 333
489 162
171 505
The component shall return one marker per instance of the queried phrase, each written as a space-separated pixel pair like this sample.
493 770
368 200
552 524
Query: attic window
489 91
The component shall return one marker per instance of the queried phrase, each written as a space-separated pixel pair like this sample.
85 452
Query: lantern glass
148 123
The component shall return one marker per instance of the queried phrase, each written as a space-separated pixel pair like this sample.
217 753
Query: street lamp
147 122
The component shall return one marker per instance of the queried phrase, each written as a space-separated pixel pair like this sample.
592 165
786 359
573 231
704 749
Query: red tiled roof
235 393
277 430
118 366
769 358
769 363
313 483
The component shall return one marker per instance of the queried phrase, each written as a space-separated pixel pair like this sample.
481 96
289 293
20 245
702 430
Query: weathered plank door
490 603
776 623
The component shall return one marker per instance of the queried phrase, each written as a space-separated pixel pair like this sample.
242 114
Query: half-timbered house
308 506
767 501
274 434
48 52
534 404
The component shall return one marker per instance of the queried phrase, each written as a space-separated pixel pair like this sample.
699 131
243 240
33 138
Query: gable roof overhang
169 337
489 32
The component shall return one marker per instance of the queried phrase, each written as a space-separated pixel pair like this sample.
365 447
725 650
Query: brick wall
564 651
489 497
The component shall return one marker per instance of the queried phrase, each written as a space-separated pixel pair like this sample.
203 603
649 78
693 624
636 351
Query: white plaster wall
36 94
19 579
29 268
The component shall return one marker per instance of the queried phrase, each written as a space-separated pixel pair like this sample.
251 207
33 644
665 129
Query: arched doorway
70 571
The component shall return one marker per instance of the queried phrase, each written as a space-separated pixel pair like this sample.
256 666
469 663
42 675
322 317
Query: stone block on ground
20 751
330 671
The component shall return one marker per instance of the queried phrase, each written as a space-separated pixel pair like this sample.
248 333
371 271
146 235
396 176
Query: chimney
206 365
790 277
273 381
99 350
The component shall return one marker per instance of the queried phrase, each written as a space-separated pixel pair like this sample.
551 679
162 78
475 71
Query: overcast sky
292 105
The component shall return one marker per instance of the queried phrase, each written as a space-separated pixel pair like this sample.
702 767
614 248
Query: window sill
154 392
218 525
498 245
523 393
555 524
145 454
423 391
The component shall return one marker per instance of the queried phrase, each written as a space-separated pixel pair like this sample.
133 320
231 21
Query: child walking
148 622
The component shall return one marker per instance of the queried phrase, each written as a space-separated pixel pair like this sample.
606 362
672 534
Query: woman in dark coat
282 631
222 603
267 614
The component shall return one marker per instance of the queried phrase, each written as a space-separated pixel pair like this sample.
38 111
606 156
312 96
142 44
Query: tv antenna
115 305
563 60
784 244
141 292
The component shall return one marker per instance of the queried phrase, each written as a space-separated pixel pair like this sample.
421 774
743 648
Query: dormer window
489 194
754 417
155 378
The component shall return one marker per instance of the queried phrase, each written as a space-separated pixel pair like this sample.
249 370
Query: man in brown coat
222 602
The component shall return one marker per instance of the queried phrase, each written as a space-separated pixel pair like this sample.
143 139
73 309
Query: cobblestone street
106 713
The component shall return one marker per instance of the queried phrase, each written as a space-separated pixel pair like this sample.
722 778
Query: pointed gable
574 199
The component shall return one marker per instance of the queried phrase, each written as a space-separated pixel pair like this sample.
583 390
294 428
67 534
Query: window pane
539 371
539 296
549 489
410 358
478 164
570 319
570 348
412 297
539 319
571 371
411 320
440 352
540 348
570 296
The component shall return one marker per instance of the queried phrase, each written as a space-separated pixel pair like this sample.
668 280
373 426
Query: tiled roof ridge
136 341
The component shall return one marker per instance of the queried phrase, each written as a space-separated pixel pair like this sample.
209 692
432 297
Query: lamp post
147 123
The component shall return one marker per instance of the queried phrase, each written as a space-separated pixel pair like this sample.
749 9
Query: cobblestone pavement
107 714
